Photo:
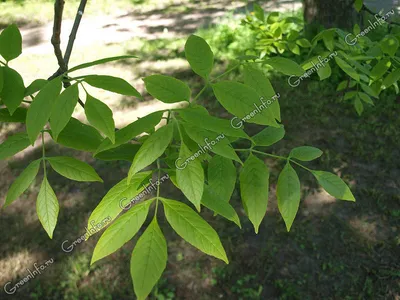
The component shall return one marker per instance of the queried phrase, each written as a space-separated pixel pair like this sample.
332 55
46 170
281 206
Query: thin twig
55 39
74 31
376 14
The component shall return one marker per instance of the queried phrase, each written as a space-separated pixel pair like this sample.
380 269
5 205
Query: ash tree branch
376 14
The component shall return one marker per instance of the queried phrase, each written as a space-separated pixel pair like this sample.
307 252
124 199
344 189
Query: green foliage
193 147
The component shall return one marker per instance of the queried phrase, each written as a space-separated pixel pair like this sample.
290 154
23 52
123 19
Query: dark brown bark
329 13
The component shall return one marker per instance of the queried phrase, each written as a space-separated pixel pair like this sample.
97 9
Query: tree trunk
329 13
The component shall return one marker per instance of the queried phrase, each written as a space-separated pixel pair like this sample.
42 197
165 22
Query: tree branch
376 14
74 31
55 39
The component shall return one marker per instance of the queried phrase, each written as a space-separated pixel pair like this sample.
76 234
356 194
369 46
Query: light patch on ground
317 203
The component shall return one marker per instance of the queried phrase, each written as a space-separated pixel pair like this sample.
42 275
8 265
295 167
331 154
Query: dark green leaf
221 177
35 86
123 152
13 90
10 42
269 136
305 153
19 115
13 144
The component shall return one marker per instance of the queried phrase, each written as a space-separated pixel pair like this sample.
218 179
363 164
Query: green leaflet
148 261
358 4
151 149
288 194
254 189
100 116
167 88
121 231
132 130
259 12
13 90
10 42
334 185
35 86
389 45
47 207
13 144
19 115
364 97
285 66
199 55
211 141
324 72
243 102
269 136
193 116
73 169
347 68
305 153
258 81
380 68
63 109
123 152
22 183
115 199
219 206
41 107
358 105
193 229
79 136
112 84
222 177
190 175
99 62
1 78
391 79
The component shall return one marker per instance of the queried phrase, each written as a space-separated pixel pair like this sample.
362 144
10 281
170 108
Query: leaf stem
158 185
225 73
201 92
295 162
2 62
44 156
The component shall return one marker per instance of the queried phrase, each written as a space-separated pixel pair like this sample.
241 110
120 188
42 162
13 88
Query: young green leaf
148 261
19 116
222 177
193 228
334 185
305 153
41 107
358 105
243 102
99 62
389 45
364 97
347 68
100 116
13 90
380 68
288 194
167 88
73 169
254 185
211 141
390 79
22 183
47 207
121 231
258 81
151 149
132 130
269 136
112 84
285 66
303 43
259 12
199 55
63 109
219 206
79 136
111 204
35 86
358 4
324 72
13 144
10 42
190 175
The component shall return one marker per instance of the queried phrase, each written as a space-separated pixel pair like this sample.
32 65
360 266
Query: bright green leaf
47 207
222 177
334 185
347 68
199 55
73 169
380 68
112 84
167 89
285 66
269 136
305 153
35 86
